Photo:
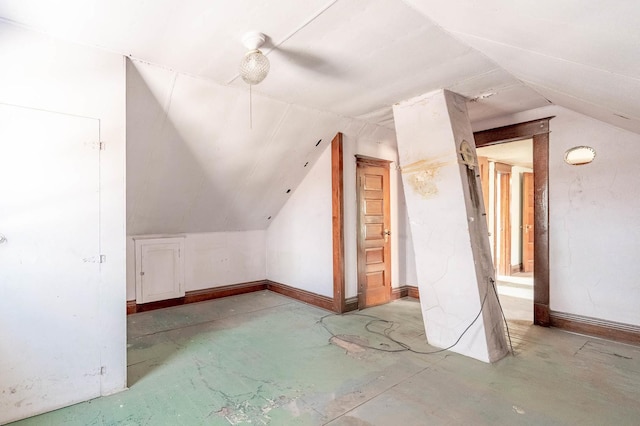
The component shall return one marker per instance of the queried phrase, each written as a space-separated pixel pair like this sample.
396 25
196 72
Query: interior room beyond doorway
506 171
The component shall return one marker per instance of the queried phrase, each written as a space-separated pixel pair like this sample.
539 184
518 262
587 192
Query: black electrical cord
405 347
504 318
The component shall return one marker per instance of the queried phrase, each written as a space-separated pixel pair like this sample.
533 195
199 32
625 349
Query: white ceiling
518 153
334 65
358 57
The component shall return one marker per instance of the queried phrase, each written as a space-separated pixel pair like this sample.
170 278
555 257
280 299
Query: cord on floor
386 333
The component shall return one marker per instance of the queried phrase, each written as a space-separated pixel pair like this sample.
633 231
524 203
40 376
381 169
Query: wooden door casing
374 242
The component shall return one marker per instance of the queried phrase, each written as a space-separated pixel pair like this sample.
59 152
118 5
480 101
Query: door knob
3 239
386 235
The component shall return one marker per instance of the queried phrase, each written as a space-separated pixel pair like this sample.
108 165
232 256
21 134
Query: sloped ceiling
336 65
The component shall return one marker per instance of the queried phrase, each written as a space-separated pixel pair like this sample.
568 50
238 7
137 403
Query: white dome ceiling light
254 66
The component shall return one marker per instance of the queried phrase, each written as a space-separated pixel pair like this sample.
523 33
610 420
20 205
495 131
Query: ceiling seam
545 56
456 36
612 111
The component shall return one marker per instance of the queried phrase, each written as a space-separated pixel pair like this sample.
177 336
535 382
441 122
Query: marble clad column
449 230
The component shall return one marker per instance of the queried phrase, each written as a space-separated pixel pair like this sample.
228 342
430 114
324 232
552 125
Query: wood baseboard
318 300
516 268
324 302
131 307
413 291
198 296
399 292
404 291
351 304
611 330
224 291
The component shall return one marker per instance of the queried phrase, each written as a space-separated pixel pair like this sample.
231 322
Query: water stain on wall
423 176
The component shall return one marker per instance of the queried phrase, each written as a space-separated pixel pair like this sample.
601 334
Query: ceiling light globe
254 67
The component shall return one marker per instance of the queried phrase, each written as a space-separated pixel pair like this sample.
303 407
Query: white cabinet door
49 270
159 269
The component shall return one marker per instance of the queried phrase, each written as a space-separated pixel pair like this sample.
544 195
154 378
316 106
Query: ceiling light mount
253 40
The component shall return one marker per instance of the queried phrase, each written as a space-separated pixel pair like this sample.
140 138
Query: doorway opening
538 131
507 177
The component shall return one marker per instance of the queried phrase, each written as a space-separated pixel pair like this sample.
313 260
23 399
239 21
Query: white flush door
49 249
159 269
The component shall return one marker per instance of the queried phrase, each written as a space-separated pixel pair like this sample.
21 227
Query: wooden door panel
374 255
374 266
374 231
373 182
374 207
527 222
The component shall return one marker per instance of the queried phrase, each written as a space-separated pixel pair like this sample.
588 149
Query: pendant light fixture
254 66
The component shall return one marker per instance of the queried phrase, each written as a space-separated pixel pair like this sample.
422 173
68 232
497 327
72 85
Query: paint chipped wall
594 216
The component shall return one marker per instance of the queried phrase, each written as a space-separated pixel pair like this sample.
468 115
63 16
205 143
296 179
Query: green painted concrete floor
262 358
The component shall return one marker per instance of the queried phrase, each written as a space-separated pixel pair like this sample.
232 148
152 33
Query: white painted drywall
195 163
594 216
300 238
62 78
214 259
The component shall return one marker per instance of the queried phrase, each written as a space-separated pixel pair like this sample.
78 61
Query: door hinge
95 259
96 145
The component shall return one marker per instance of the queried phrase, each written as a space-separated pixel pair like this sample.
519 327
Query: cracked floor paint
264 359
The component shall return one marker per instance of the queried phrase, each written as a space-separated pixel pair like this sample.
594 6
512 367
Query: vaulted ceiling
344 63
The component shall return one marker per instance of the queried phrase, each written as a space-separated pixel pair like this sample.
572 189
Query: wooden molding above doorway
538 130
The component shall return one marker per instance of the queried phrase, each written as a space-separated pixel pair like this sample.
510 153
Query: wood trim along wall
516 268
625 333
198 296
337 182
538 130
404 291
351 304
414 292
318 300
315 299
324 302
399 292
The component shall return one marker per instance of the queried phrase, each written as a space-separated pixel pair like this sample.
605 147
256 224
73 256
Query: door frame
538 130
362 160
337 209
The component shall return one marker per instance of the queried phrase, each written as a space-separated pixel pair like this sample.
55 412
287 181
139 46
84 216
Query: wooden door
503 218
374 245
159 269
527 222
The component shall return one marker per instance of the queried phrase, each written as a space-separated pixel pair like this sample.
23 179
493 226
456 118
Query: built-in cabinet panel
159 269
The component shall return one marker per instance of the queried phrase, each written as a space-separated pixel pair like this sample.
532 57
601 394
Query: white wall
594 223
213 259
62 78
299 240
